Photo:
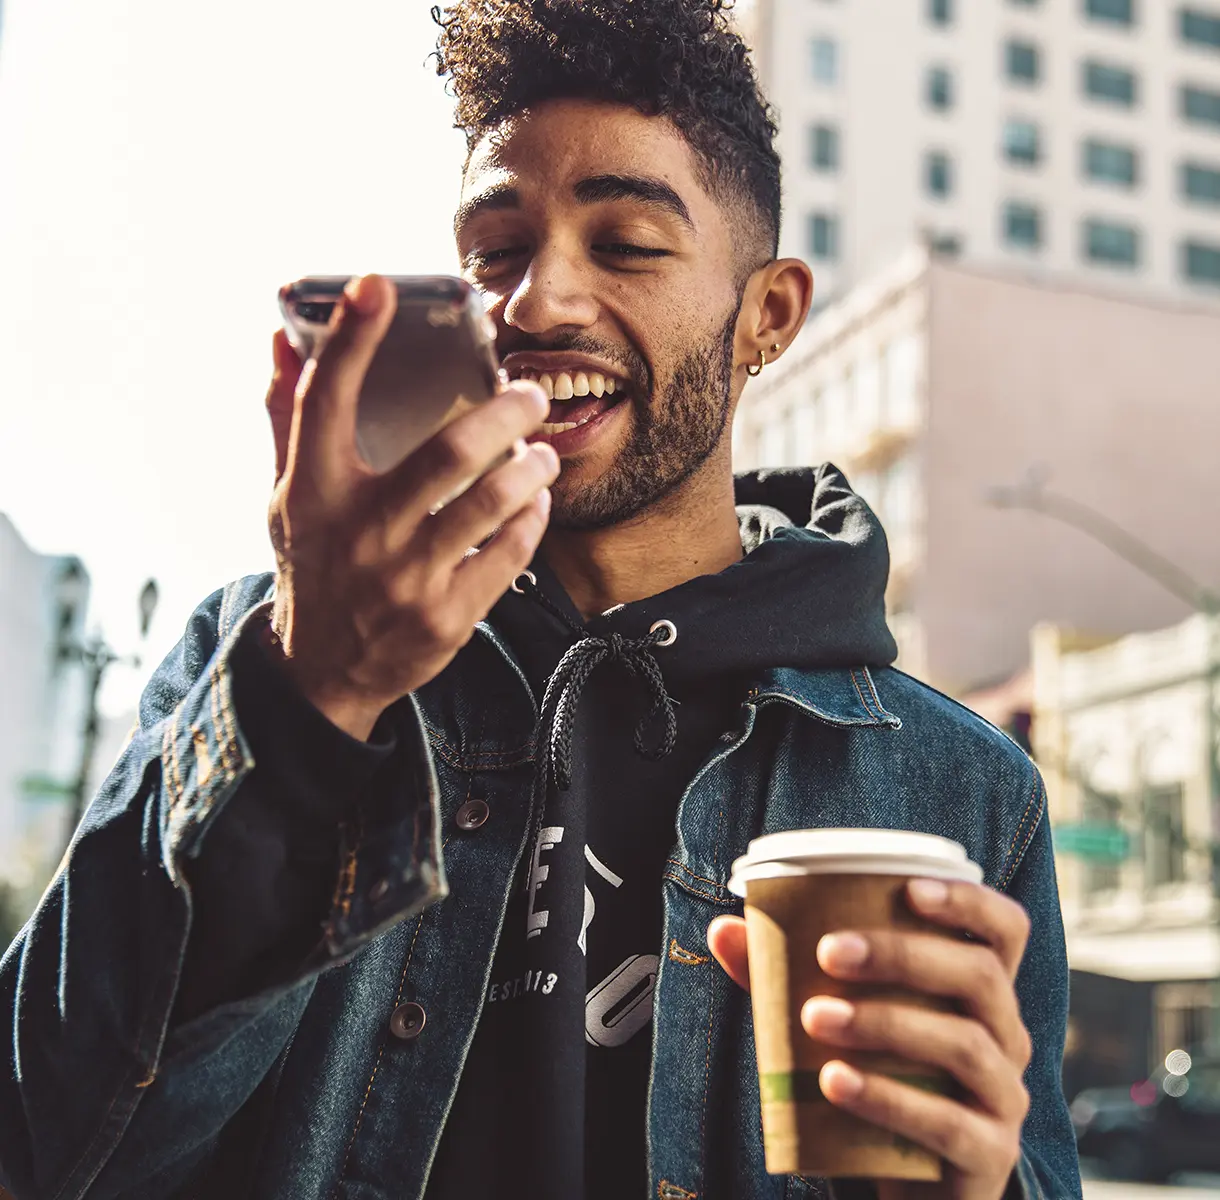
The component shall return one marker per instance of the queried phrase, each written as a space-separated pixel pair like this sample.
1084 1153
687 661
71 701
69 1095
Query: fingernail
362 295
838 950
546 453
535 393
928 893
544 501
826 1014
838 1081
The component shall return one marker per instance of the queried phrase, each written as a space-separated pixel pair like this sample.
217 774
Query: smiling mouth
576 396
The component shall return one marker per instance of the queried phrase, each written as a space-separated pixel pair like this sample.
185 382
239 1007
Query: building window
824 148
1201 106
1025 3
1022 142
940 12
1104 811
1110 163
945 245
1111 244
1022 225
1021 61
1201 263
938 175
824 237
1164 837
1200 28
1115 85
1200 183
938 88
1118 12
824 61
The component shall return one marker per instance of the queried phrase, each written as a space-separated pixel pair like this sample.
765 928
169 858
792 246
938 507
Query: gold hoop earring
756 369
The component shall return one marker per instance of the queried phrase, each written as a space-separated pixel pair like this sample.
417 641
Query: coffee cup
798 887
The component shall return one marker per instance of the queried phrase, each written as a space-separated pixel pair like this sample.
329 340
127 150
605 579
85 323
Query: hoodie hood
809 592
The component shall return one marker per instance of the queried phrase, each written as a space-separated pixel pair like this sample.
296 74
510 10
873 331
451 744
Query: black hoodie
567 1019
554 1089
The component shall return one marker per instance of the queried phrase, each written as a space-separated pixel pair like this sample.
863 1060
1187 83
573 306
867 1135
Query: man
381 903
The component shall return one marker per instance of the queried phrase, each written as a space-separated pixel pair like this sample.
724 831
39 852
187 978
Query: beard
671 438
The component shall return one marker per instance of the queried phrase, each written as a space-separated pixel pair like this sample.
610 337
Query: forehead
550 148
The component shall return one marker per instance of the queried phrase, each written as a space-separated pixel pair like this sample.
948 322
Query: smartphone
437 358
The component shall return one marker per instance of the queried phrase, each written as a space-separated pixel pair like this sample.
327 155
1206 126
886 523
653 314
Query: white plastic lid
853 852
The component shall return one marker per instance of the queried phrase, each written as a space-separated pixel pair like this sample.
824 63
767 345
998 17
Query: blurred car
1167 1123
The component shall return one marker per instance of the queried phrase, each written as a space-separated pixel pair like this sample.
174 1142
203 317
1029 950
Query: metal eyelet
524 575
671 630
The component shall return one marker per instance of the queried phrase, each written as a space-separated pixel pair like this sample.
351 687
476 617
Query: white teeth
563 427
564 385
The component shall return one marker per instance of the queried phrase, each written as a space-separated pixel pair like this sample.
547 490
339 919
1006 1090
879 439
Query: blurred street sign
1100 843
43 787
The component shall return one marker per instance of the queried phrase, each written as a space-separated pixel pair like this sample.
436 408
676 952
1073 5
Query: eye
483 260
627 250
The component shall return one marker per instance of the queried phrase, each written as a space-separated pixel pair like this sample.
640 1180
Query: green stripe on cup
802 1087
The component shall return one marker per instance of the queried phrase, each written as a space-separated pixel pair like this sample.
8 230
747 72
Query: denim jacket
304 1092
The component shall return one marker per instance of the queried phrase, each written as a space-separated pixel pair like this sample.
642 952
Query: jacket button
407 1021
472 814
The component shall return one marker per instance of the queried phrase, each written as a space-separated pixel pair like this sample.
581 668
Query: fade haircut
678 59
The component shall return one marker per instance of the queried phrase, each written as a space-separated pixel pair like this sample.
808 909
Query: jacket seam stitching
1013 858
368 1091
698 892
882 711
702 879
855 683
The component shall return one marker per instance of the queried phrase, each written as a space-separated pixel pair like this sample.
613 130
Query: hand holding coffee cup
890 1042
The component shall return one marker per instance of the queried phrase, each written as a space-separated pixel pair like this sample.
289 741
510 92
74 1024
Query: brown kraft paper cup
786 917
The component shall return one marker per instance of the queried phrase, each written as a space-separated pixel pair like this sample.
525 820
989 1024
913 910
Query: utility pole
97 656
1032 495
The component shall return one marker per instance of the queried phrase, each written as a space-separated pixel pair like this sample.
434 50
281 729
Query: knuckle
974 1049
521 539
457 447
877 1023
1023 1100
1025 1047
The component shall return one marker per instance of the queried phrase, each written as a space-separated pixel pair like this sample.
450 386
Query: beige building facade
1124 733
1071 139
933 382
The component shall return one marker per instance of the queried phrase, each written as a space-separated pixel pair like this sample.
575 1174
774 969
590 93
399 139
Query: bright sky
163 169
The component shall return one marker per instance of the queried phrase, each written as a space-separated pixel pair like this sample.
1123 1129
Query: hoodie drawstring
557 719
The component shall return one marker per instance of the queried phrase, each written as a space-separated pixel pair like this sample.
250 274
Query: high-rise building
1074 138
934 382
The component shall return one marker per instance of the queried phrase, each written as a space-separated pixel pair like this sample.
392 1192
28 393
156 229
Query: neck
692 532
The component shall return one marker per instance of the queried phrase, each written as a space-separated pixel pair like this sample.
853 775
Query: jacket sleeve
1049 1168
100 1090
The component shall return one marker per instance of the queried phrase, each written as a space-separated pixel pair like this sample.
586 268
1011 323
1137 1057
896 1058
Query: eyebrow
596 189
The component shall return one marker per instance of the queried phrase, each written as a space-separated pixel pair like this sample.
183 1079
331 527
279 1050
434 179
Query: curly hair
674 58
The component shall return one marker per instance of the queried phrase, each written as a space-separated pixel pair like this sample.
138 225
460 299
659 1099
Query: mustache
625 359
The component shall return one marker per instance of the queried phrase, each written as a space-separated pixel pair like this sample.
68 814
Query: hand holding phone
376 586
436 359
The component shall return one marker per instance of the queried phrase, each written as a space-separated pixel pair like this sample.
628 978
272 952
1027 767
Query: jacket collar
836 695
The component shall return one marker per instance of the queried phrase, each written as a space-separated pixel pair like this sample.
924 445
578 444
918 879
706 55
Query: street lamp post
97 656
1032 495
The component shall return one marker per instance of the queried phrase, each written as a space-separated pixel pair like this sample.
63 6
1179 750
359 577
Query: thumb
280 397
726 939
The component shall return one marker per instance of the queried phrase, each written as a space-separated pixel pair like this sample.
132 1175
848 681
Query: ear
773 309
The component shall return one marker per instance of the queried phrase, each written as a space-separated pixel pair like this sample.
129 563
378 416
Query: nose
553 293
